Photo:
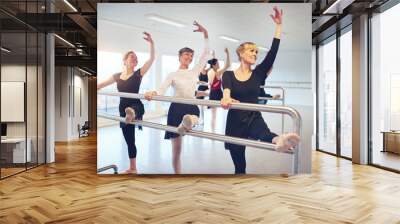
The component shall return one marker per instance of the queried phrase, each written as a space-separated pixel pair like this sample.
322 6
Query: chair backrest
86 125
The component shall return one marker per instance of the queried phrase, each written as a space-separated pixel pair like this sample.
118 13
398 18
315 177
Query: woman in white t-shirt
184 82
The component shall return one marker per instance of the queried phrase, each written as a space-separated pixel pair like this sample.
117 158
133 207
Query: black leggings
128 130
258 130
239 160
129 135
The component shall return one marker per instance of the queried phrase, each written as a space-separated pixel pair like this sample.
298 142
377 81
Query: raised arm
149 62
210 75
263 68
206 70
203 58
278 21
110 80
226 66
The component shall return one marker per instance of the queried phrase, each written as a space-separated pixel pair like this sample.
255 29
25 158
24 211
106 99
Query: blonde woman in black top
129 81
243 85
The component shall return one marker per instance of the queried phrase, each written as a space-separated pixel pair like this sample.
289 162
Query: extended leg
188 122
176 154
130 114
129 135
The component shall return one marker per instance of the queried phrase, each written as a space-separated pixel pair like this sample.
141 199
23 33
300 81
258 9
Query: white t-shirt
184 81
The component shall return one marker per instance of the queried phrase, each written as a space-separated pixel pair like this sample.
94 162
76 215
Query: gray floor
199 156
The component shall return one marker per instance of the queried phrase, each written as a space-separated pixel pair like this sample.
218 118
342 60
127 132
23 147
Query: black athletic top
249 90
131 85
238 122
203 78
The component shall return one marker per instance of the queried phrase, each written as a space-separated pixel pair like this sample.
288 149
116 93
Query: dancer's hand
201 93
201 29
277 18
149 95
286 142
148 38
276 97
226 50
212 52
227 102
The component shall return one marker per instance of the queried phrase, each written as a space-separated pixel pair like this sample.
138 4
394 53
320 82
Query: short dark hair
185 49
213 61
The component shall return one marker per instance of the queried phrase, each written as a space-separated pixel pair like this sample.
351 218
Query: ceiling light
65 41
70 5
229 38
338 6
5 49
263 48
164 20
84 71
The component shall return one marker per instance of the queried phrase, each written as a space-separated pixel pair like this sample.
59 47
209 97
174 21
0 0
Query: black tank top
131 85
203 78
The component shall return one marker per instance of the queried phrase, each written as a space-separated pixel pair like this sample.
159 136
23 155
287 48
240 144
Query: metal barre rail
114 167
242 106
282 99
269 98
201 83
277 87
201 134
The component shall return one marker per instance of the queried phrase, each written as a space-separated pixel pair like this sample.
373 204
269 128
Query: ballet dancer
129 81
243 85
184 82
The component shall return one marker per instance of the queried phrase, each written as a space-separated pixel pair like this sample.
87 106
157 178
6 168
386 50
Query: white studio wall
62 112
80 104
71 102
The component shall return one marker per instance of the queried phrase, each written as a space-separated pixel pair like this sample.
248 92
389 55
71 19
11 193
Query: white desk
19 149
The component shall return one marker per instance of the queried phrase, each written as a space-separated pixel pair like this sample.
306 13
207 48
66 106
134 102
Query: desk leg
384 142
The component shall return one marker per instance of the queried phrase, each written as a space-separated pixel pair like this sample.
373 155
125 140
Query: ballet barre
269 98
201 83
233 140
114 167
281 99
201 134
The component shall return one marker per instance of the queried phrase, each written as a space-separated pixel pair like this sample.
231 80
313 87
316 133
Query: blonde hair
126 55
243 47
